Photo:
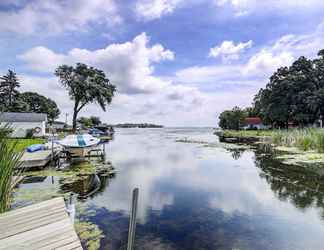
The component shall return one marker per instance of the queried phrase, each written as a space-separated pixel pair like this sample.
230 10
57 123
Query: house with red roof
254 123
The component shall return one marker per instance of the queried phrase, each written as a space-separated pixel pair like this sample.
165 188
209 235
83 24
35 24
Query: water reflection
198 197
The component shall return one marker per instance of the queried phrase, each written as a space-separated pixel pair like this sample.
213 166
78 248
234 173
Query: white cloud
142 96
154 9
57 16
245 7
129 65
229 51
259 67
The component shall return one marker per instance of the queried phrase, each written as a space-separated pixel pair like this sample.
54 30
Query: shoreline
284 154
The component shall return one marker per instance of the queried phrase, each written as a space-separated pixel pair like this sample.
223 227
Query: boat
79 145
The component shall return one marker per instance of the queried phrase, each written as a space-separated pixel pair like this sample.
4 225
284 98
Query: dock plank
41 226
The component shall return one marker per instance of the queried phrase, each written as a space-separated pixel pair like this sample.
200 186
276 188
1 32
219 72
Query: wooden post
132 220
71 208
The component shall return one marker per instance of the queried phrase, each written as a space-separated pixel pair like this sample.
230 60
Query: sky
174 62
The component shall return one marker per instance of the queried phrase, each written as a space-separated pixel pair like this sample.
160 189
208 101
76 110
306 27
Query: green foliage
95 120
294 94
21 144
232 119
40 104
85 85
9 95
303 139
86 122
9 161
11 100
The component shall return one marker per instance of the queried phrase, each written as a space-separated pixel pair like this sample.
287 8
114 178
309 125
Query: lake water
200 195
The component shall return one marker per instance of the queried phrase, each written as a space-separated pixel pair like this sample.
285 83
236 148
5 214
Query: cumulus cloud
154 9
258 68
29 17
229 51
142 95
129 65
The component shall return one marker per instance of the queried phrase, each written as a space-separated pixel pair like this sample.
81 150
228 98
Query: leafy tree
86 122
9 93
232 119
85 85
289 95
40 104
95 120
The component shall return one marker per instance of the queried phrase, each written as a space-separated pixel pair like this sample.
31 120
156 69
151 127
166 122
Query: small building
254 123
22 123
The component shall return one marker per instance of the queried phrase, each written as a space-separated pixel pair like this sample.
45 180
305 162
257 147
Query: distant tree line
294 94
11 100
137 125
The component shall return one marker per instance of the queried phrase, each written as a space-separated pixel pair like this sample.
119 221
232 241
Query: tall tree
232 119
85 85
40 104
8 90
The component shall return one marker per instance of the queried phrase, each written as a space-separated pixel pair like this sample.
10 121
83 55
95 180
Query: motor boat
79 145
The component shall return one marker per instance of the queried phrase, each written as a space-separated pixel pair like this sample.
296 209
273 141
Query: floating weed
35 195
89 234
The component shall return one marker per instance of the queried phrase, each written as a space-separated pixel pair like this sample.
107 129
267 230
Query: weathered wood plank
32 225
33 215
40 205
41 226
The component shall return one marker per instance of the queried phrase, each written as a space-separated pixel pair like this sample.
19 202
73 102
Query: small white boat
79 145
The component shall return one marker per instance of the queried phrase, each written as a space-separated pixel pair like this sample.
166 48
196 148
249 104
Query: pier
45 225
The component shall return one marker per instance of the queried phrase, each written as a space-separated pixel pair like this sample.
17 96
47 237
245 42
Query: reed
303 139
9 165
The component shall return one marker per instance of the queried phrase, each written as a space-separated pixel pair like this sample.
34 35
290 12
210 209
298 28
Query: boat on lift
79 145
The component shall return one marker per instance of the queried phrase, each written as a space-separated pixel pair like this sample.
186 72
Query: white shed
21 123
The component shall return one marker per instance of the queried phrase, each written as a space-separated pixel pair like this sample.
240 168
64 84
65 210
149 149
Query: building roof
253 120
22 117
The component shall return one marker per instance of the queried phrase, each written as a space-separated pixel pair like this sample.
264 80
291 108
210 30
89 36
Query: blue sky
175 62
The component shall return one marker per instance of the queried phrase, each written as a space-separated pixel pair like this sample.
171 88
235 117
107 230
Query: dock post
71 208
132 220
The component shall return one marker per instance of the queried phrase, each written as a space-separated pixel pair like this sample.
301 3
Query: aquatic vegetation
9 163
75 171
89 234
303 139
24 197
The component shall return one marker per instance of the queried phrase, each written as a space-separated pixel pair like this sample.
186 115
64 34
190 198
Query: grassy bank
303 147
303 139
22 144
247 133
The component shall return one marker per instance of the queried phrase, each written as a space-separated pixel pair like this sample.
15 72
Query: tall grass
9 163
303 139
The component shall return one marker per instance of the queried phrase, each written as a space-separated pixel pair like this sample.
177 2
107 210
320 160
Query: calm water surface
203 196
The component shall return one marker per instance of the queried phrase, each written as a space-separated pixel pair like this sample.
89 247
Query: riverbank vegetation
9 161
309 139
293 97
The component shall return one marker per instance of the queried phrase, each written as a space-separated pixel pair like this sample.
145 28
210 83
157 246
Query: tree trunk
75 116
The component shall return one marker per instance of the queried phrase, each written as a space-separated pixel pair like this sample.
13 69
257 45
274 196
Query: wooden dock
36 159
45 225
